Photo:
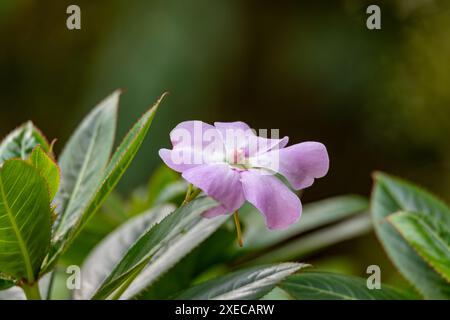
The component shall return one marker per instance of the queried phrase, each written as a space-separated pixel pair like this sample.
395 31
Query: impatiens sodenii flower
231 164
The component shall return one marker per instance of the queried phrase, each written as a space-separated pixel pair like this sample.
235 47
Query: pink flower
232 165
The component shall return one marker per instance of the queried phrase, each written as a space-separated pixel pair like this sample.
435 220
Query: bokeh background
379 100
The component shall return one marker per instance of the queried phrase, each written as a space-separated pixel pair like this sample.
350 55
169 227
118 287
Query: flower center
237 159
238 156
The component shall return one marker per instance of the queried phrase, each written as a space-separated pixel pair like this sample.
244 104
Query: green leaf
6 284
24 220
166 257
21 142
316 240
151 244
330 286
277 294
432 244
82 163
248 284
315 215
102 260
207 260
120 161
112 214
115 169
391 195
47 168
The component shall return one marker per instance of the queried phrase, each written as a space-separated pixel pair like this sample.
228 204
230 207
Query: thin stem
188 195
191 194
194 194
32 291
238 229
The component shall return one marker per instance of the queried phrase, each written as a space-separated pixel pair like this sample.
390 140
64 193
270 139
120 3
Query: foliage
56 213
417 240
329 286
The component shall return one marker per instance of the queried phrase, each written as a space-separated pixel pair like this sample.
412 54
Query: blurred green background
379 100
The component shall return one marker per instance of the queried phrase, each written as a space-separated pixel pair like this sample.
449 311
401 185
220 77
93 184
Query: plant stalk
188 195
191 194
238 229
32 291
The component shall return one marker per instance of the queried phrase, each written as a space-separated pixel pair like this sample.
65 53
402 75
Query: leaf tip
161 98
376 175
120 91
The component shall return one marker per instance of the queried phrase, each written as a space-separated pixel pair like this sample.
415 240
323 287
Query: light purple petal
279 205
190 134
218 181
236 125
259 145
180 160
194 143
300 163
235 135
215 212
238 135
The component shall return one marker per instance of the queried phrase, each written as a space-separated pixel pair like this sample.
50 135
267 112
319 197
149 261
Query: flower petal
218 181
300 163
180 159
259 145
194 143
190 134
279 205
238 135
236 125
215 212
235 135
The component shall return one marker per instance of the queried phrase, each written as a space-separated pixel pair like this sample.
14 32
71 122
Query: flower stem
32 291
191 194
238 229
194 194
188 195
